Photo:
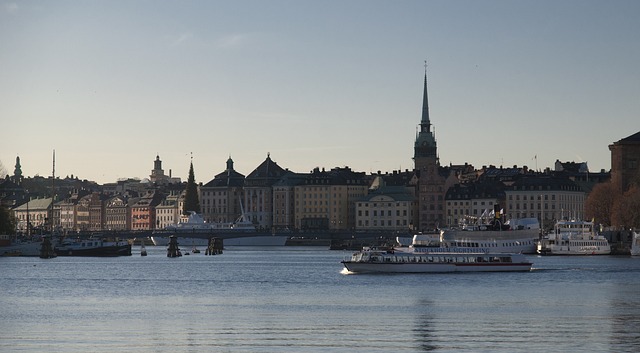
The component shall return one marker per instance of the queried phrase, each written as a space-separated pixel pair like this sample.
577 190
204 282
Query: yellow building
326 200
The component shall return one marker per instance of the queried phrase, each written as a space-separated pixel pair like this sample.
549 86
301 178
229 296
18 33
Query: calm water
297 299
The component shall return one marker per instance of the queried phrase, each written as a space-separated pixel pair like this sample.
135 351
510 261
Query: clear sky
111 84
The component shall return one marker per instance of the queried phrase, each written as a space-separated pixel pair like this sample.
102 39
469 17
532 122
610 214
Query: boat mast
53 189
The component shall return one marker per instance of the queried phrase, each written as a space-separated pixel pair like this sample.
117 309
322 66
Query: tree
191 201
626 211
600 202
7 222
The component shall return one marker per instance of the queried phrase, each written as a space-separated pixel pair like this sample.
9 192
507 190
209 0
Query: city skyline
110 85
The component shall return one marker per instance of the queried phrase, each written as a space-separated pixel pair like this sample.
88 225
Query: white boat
635 244
516 236
196 224
196 232
574 238
393 261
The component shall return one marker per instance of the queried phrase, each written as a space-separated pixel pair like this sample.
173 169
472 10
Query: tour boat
635 245
393 261
516 236
574 238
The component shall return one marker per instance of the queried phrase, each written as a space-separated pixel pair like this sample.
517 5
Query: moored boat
92 247
517 235
574 238
196 232
391 261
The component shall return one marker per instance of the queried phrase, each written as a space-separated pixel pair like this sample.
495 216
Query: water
298 299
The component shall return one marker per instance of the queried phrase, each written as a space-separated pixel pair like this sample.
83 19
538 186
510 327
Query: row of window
382 223
381 213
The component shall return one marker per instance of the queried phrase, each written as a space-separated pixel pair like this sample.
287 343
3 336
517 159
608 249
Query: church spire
425 123
425 148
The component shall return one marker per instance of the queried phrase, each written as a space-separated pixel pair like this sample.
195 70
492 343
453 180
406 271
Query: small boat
635 244
391 261
143 250
195 250
574 238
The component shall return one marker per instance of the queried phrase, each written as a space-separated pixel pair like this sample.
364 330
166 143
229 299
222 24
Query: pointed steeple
425 123
425 148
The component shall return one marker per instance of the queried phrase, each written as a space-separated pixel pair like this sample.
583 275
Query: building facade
326 200
546 198
284 200
625 161
221 198
118 213
258 193
388 209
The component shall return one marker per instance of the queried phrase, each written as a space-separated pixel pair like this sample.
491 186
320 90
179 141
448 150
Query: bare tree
626 211
600 202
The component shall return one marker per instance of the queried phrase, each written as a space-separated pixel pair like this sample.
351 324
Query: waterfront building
143 212
118 213
32 216
326 199
68 211
284 200
168 211
432 180
55 216
545 197
386 208
258 193
220 198
90 213
625 161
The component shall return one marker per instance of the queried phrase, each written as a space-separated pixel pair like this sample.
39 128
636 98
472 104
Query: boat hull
394 261
107 250
568 250
357 267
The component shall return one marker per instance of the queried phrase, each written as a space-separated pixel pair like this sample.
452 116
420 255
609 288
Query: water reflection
424 327
625 318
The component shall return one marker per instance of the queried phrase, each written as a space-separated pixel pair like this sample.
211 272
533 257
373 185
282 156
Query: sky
109 85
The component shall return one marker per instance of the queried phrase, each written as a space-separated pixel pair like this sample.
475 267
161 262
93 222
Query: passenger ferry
574 238
392 261
515 236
